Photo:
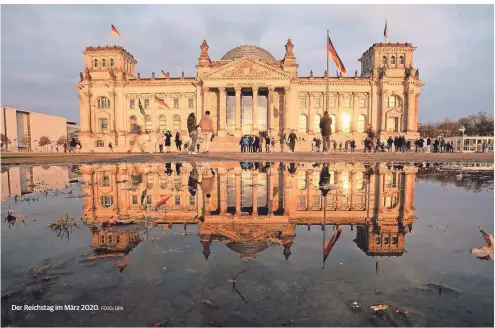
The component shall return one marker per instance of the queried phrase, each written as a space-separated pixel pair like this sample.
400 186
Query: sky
41 45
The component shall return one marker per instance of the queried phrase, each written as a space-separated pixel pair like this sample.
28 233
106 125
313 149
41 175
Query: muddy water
242 244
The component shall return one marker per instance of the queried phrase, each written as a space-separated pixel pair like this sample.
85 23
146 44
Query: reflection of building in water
22 180
251 208
117 240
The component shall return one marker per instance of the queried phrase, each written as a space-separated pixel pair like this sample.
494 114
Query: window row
345 123
332 102
162 123
393 60
103 62
146 103
149 200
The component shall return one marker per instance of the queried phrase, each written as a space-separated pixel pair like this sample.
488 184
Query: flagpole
328 72
324 225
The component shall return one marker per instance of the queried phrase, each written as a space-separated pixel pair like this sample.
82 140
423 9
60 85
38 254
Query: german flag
336 59
141 109
114 32
161 102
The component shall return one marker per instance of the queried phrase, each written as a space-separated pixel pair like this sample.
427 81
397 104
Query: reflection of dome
248 250
248 50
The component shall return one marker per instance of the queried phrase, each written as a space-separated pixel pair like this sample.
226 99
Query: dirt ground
61 158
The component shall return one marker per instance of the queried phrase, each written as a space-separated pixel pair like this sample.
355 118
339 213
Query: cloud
42 45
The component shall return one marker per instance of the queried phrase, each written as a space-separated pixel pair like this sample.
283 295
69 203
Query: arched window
392 60
162 123
345 121
301 180
104 62
384 60
361 123
148 124
394 101
390 201
333 123
95 63
100 143
303 121
401 60
106 201
149 181
111 62
103 102
316 123
176 123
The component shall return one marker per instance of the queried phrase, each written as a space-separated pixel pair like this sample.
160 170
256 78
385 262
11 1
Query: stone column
238 131
269 118
355 101
222 112
206 103
255 110
410 111
286 128
223 191
199 103
383 122
120 110
84 112
285 186
237 191
309 199
254 177
311 114
269 195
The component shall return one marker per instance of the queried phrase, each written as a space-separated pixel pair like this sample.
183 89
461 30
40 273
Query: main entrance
247 118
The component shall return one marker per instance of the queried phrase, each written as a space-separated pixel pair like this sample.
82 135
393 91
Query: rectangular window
134 200
177 200
331 102
148 200
106 181
132 103
176 103
146 103
302 200
303 102
396 124
192 201
190 103
102 239
347 102
362 102
316 200
319 102
110 239
103 123
118 239
136 179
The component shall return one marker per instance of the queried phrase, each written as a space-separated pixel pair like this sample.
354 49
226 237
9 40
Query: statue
87 75
288 48
371 73
81 77
325 74
153 75
311 74
337 73
182 76
204 50
355 73
168 75
417 74
139 76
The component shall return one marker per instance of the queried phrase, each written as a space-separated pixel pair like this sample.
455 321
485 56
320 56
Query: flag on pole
141 109
161 102
329 244
336 59
114 32
385 31
163 74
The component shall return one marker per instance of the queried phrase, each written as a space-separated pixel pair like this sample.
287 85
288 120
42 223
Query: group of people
348 145
254 143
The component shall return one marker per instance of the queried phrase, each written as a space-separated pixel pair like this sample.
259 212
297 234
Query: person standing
178 142
292 140
390 142
206 125
109 146
159 141
135 130
428 144
335 146
326 131
192 128
168 141
353 145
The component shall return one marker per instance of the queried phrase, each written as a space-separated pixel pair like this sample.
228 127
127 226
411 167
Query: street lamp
462 129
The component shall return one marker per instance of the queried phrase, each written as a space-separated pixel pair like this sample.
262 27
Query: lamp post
462 129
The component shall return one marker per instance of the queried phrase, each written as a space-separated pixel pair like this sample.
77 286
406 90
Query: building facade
248 91
23 130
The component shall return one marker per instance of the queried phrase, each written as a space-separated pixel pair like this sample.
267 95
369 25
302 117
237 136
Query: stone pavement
59 158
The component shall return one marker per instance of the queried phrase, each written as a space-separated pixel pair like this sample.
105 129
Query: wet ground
146 241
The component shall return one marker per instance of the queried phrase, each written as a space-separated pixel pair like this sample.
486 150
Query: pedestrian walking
192 128
326 131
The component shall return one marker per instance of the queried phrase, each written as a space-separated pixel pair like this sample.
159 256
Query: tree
5 140
479 124
62 140
44 141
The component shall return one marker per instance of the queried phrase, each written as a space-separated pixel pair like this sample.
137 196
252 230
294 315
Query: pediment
246 68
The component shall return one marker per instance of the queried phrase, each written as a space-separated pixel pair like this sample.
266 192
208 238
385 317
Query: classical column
286 128
255 192
120 110
285 186
199 102
206 98
311 113
83 113
89 112
238 131
355 102
269 118
383 104
309 199
269 195
223 191
410 111
237 191
255 110
222 112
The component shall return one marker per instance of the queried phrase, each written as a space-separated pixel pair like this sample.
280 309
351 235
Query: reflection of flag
114 32
163 201
329 244
336 59
161 102
385 31
141 109
163 74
